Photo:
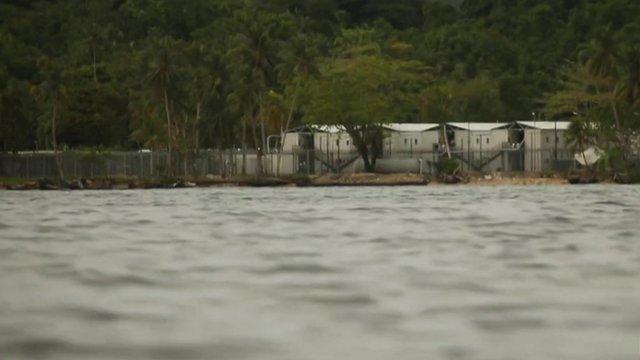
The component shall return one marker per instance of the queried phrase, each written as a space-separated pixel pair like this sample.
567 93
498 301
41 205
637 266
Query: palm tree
600 55
52 93
252 60
579 135
299 63
162 81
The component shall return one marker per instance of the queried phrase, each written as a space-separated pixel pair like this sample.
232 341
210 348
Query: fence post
75 165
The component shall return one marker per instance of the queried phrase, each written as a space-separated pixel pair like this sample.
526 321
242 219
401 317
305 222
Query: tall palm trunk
244 145
263 139
283 132
195 133
95 68
196 127
169 133
359 136
256 145
54 142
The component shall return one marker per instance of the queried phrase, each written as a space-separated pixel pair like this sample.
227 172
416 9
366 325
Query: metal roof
331 129
545 125
402 127
475 126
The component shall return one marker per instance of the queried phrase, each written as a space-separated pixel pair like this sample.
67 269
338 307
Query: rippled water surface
322 273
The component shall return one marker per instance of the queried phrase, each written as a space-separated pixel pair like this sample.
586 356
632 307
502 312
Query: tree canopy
183 75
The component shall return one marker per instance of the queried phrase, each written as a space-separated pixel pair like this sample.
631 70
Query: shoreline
327 180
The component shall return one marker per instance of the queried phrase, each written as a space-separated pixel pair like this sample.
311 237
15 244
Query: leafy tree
237 71
253 60
299 63
53 94
360 90
472 101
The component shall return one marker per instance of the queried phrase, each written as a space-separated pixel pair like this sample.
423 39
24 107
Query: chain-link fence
78 164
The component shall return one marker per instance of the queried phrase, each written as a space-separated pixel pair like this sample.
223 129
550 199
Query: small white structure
545 144
410 138
318 137
292 140
332 139
479 145
477 137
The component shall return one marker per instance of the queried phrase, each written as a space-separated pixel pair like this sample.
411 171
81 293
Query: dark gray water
331 273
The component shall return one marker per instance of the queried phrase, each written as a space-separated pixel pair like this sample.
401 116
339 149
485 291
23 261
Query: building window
547 138
405 141
347 142
416 141
487 140
338 143
477 140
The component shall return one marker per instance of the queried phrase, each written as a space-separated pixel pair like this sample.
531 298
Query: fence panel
77 164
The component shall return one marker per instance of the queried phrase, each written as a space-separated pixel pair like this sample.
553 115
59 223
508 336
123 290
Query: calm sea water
322 273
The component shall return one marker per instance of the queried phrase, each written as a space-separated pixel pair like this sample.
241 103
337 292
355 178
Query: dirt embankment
368 179
515 179
359 179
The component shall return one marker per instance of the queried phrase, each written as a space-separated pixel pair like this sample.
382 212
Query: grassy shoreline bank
327 180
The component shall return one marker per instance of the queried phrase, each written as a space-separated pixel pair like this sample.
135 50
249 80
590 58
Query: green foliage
474 100
96 156
602 92
360 89
447 166
237 71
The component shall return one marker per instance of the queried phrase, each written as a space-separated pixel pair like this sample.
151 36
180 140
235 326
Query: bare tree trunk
244 145
195 141
263 134
56 153
368 165
283 133
196 126
263 131
376 146
95 70
169 170
358 137
256 145
446 140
